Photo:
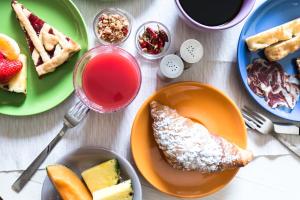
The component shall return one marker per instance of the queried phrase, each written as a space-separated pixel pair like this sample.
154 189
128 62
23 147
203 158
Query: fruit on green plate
67 183
103 175
18 82
52 89
9 47
122 191
13 66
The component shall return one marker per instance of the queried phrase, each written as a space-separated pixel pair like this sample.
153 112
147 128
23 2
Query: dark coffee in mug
212 12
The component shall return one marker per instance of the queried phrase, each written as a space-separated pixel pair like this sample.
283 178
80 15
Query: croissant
189 146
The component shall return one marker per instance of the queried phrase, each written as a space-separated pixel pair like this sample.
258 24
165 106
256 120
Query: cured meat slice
269 81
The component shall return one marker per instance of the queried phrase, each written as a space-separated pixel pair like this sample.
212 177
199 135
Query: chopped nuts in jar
112 28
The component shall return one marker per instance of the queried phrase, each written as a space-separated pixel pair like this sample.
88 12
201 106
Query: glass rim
83 97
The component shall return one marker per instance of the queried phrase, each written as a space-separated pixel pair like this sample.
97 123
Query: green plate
50 90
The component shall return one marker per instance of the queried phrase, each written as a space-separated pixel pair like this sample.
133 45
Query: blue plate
271 13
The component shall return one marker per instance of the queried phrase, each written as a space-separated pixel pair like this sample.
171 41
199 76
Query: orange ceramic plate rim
146 103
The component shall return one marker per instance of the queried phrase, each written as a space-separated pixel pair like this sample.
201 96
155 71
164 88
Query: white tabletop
269 177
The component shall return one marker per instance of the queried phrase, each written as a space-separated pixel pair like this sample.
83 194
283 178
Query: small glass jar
154 26
112 11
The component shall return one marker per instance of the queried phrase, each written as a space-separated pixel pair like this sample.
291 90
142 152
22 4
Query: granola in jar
112 27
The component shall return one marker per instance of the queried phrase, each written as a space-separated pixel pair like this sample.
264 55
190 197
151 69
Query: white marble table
268 177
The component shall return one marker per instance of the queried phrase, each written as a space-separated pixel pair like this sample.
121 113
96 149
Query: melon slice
67 183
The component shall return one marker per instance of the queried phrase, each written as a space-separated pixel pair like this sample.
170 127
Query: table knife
292 147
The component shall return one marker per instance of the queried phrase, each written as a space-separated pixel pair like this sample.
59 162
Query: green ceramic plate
49 91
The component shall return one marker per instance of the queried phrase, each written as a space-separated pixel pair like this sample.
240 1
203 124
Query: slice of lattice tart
49 48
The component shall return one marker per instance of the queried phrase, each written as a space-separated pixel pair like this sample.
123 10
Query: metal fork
262 124
71 119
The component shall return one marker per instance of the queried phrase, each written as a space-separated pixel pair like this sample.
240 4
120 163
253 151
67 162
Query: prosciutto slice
269 81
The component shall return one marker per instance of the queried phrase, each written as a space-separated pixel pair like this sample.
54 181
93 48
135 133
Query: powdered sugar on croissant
188 145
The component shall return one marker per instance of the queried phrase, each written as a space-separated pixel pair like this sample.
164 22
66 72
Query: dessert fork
71 119
262 124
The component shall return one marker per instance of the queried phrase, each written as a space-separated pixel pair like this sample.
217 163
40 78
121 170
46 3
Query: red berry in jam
36 23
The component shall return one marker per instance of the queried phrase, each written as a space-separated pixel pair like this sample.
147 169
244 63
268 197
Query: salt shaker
171 67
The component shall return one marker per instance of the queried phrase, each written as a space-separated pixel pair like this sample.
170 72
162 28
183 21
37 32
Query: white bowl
84 158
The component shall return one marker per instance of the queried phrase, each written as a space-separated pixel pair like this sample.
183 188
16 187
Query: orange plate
199 102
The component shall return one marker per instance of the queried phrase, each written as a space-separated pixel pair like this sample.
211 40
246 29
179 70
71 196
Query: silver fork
262 124
71 119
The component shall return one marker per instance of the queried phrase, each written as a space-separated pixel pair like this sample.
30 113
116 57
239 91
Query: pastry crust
274 35
57 40
189 146
282 49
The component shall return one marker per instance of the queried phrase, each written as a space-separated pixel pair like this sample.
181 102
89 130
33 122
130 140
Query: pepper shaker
191 51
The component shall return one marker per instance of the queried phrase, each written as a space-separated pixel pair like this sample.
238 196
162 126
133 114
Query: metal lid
191 51
171 66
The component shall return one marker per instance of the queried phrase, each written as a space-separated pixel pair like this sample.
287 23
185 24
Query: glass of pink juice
107 78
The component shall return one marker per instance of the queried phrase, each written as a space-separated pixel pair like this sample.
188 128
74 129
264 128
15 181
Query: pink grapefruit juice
111 79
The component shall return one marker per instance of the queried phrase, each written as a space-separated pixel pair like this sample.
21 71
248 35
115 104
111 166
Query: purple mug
243 13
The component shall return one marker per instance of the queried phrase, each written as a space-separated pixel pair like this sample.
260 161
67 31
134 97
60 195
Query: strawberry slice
8 69
1 56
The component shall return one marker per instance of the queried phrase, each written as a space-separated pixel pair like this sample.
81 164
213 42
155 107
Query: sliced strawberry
1 56
8 69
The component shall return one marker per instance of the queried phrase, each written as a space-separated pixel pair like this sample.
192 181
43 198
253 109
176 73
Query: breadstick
274 35
282 49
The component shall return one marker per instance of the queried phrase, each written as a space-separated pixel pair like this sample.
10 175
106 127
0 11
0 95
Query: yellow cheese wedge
101 176
68 185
